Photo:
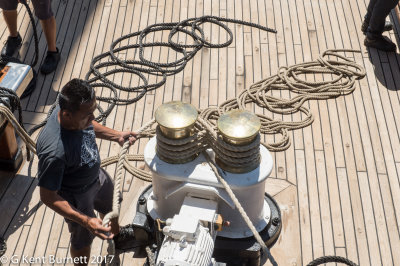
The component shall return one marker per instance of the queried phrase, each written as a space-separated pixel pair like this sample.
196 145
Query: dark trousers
377 12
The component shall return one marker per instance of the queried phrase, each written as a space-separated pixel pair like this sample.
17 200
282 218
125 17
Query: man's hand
94 225
126 135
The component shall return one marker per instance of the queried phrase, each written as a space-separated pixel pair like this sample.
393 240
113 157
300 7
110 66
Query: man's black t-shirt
68 159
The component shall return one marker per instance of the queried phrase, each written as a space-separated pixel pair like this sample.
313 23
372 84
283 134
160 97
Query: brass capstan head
176 119
239 127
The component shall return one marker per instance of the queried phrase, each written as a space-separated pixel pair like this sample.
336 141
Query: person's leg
45 14
380 11
81 238
374 37
83 254
370 9
364 26
11 17
50 30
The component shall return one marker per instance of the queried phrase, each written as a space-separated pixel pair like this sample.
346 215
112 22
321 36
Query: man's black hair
75 93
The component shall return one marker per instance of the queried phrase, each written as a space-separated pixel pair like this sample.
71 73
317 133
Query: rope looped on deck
190 27
326 259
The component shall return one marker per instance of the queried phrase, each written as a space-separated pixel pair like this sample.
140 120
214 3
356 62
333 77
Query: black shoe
388 26
50 62
125 239
381 43
12 45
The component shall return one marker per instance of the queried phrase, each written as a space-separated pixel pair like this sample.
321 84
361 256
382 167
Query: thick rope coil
190 27
326 259
345 72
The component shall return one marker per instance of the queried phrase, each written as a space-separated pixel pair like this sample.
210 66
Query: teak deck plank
337 185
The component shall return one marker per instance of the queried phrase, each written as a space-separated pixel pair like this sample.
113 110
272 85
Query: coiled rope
327 259
99 79
344 75
190 27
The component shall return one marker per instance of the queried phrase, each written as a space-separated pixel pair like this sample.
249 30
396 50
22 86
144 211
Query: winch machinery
186 210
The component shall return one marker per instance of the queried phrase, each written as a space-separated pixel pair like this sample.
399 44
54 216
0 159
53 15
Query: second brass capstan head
239 127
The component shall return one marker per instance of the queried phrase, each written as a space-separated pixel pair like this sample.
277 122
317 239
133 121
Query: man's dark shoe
388 26
125 239
381 43
12 45
50 62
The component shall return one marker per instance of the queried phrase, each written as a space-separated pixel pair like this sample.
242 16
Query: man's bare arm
110 134
61 206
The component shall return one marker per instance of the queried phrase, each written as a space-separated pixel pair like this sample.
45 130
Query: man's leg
380 11
364 27
81 237
374 37
53 56
370 9
83 254
50 30
45 14
10 17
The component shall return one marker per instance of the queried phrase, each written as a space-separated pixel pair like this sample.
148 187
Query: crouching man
70 178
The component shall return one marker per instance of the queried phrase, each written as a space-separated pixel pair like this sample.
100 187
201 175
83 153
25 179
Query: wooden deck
337 185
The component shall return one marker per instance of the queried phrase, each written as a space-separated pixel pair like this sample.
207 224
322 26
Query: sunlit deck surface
337 185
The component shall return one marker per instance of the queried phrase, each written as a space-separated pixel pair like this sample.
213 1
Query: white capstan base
173 182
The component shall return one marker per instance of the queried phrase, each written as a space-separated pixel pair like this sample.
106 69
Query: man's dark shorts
42 7
98 197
